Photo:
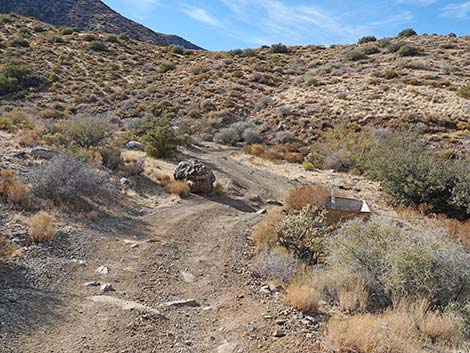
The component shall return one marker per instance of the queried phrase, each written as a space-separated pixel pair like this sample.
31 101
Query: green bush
166 67
394 47
66 31
355 55
87 131
279 48
408 50
304 233
371 49
415 175
18 43
391 74
98 45
161 140
408 32
16 76
367 39
90 38
398 262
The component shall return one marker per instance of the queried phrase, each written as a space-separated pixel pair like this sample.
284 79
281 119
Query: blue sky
230 24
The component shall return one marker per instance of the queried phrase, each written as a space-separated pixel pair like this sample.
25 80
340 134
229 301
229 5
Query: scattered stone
181 303
199 177
280 322
42 153
133 246
104 270
227 347
261 211
188 277
255 198
107 287
92 284
125 182
274 202
125 304
279 333
136 146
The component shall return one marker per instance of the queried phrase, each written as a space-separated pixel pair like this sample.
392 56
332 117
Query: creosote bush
161 140
16 76
42 228
408 32
367 39
66 179
87 131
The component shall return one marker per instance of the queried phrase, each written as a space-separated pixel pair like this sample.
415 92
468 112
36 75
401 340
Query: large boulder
199 177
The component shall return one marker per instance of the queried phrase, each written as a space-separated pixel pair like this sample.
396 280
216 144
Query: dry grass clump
11 189
303 297
177 187
409 327
314 195
7 249
219 188
133 162
92 216
42 228
157 175
265 233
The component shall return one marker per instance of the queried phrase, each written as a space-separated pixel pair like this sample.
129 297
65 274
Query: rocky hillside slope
305 90
89 15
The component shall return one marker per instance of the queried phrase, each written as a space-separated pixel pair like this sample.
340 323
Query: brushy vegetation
178 187
6 249
42 228
414 174
161 140
87 131
367 39
399 262
314 195
12 190
408 32
66 179
464 91
239 132
16 76
276 264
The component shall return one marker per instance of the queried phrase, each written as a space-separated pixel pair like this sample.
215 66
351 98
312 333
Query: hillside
91 15
305 91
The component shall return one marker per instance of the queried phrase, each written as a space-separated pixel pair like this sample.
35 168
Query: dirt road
179 279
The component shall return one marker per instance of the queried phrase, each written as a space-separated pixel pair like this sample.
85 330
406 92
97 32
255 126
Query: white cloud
141 9
457 10
416 2
201 15
296 23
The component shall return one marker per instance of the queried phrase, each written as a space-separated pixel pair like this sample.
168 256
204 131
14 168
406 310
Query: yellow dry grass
265 233
307 195
179 188
303 297
42 228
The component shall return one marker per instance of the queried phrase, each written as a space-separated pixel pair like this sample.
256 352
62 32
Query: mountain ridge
91 15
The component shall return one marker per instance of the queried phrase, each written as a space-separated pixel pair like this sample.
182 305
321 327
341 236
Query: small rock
136 146
107 287
127 182
104 270
255 198
188 277
180 303
280 322
279 333
91 284
43 153
274 202
261 211
134 246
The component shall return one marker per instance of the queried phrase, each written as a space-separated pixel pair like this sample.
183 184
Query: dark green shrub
370 49
409 32
98 45
279 49
39 29
18 43
367 39
408 50
112 38
66 31
355 55
16 76
391 74
394 47
414 175
161 140
89 38
166 67
176 49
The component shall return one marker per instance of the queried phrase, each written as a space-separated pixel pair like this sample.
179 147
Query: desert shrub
314 195
39 29
66 31
42 228
279 48
370 49
308 166
285 137
178 187
112 39
408 32
166 67
111 157
66 179
344 148
6 249
227 136
98 45
464 91
414 174
163 109
18 43
12 190
303 232
161 140
408 50
303 297
132 163
252 136
367 39
355 55
394 47
391 74
6 124
89 38
19 119
87 131
276 264
400 262
407 328
176 49
265 233
16 76
254 150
